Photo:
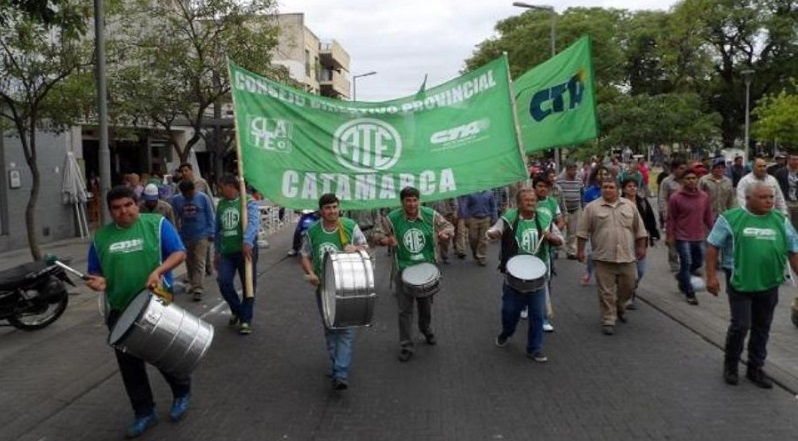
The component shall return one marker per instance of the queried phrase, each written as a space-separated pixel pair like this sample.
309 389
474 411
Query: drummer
525 231
420 228
134 252
332 233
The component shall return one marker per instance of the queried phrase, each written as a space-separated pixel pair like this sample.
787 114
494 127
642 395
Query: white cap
150 192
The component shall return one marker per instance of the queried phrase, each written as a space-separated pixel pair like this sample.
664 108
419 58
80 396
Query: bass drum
163 334
347 291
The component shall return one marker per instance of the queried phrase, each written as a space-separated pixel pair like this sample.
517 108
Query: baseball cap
150 192
718 162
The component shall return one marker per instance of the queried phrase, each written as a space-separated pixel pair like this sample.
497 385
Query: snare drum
347 291
163 334
422 280
525 273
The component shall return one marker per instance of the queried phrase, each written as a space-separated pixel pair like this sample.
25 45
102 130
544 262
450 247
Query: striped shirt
571 192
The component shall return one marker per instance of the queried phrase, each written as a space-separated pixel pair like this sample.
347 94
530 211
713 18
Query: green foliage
778 118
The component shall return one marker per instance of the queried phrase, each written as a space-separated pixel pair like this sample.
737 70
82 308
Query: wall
54 220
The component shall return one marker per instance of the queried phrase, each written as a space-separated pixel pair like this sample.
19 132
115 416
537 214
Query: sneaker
245 328
538 356
140 425
631 305
291 253
524 314
758 377
405 354
691 299
461 255
585 279
621 317
234 321
197 296
179 408
430 338
730 376
608 329
501 340
340 384
547 327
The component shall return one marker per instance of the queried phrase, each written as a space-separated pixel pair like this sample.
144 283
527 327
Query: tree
777 118
45 76
172 66
50 13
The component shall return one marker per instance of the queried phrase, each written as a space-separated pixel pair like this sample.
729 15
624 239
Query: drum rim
536 260
146 305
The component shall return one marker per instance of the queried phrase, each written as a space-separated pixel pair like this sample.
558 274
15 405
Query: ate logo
325 248
528 242
367 144
230 218
413 240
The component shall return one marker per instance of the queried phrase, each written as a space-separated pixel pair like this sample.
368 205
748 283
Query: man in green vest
235 247
333 233
755 242
414 230
135 252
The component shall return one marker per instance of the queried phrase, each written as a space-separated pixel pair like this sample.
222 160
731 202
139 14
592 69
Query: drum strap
342 235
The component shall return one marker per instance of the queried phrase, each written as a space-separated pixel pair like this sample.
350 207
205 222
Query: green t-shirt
416 238
229 226
127 257
548 207
759 242
322 241
526 233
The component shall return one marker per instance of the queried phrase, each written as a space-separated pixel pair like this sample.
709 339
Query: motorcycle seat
13 277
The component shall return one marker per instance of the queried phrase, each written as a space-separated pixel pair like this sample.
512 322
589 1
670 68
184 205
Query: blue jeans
691 258
229 264
512 304
339 345
641 270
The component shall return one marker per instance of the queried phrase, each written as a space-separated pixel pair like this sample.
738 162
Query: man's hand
247 251
96 283
154 280
389 241
493 234
313 279
669 241
713 285
350 248
443 236
641 252
580 256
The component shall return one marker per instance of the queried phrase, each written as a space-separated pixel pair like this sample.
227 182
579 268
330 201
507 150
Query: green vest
416 238
526 233
547 207
322 242
128 256
228 221
760 249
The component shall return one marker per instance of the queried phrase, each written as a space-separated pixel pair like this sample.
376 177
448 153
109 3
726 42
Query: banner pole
249 287
517 123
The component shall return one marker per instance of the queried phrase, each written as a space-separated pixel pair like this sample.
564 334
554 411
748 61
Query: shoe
245 328
547 327
621 317
291 253
698 273
631 305
585 279
608 329
730 376
691 299
405 354
538 356
501 340
571 257
461 256
445 260
340 384
430 338
524 314
140 425
179 408
234 321
197 296
481 263
758 377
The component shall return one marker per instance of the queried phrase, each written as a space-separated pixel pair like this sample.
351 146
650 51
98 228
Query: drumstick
542 237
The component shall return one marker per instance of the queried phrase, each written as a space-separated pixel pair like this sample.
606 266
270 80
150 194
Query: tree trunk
30 209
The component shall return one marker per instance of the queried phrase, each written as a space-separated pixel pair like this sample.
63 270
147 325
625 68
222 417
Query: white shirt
771 182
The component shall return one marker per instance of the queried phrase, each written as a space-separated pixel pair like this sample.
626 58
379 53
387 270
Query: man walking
755 243
719 188
618 238
760 174
332 234
481 213
151 203
234 247
448 209
572 189
669 186
689 212
195 222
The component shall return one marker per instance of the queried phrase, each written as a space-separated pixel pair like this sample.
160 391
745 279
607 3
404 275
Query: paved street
658 378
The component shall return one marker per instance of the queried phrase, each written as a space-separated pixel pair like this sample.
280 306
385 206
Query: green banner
450 140
556 100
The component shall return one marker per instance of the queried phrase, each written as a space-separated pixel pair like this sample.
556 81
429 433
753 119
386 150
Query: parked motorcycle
33 295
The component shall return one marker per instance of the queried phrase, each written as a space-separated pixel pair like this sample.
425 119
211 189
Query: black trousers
750 311
136 380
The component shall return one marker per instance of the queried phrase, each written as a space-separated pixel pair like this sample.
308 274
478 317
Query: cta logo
460 133
761 233
558 99
413 240
127 246
269 133
367 145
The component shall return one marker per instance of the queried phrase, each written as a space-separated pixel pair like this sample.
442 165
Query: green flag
458 138
556 100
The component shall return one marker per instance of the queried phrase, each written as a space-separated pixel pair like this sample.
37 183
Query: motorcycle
33 295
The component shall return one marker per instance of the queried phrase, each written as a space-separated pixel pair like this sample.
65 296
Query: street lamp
748 76
354 82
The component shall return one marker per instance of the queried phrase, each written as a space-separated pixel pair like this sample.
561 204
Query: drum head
328 290
526 267
131 314
420 274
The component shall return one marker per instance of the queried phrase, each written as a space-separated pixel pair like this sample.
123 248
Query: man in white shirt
760 173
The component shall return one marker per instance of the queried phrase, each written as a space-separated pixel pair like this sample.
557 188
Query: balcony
333 84
333 56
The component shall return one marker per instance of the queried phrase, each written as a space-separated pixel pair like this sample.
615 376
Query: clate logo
413 240
367 145
269 133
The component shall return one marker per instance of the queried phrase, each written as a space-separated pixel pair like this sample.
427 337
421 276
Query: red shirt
688 215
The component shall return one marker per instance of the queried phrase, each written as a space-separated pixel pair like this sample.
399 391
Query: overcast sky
404 39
